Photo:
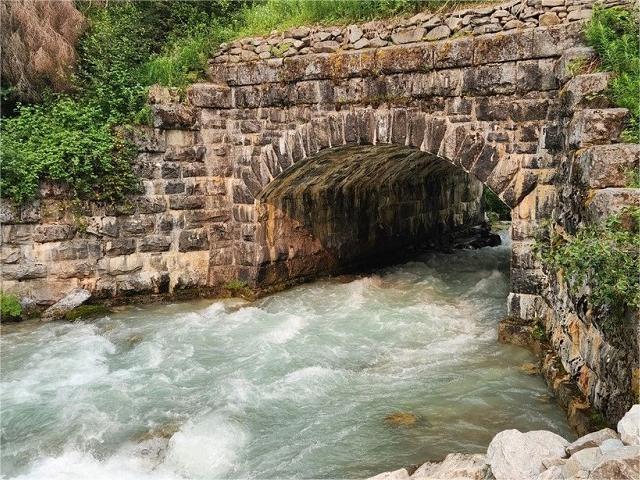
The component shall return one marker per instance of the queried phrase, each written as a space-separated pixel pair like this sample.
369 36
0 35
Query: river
295 385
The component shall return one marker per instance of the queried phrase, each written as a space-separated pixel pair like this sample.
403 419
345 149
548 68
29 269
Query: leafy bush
613 33
604 256
68 142
10 308
495 208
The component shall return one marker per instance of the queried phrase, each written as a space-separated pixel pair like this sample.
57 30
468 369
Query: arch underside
356 206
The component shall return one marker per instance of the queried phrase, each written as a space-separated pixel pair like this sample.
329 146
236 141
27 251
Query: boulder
74 299
581 463
621 464
400 474
591 440
513 454
553 473
629 426
456 466
610 445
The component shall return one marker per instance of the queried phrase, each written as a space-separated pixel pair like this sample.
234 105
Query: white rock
581 463
611 445
553 473
74 299
629 426
621 464
456 466
591 440
400 474
513 454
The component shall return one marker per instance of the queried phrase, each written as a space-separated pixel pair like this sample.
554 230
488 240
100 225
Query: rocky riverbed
542 455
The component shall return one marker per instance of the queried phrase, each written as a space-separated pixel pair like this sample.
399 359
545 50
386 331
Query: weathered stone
603 166
549 18
191 202
210 95
629 427
610 445
593 127
585 91
457 466
53 233
190 240
174 116
569 63
579 15
73 299
328 46
410 35
354 33
120 246
621 464
591 440
438 33
299 32
513 454
154 243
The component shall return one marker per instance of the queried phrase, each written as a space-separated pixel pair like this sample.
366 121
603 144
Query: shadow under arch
353 207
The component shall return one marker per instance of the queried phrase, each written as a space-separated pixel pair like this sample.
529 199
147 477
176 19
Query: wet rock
591 440
72 300
458 466
513 454
402 419
400 474
629 426
530 368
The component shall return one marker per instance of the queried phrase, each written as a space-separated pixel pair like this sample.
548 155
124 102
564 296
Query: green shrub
10 308
605 256
69 142
496 209
613 33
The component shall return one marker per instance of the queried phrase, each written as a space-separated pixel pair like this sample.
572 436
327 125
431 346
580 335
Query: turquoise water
296 385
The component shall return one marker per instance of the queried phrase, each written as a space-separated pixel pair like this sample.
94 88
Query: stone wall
501 107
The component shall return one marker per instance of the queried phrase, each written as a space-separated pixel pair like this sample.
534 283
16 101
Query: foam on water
295 385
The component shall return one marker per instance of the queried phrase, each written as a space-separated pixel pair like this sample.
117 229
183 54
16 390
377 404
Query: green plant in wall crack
10 308
604 256
613 33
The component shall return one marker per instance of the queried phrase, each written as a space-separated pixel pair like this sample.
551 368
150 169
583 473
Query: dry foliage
38 39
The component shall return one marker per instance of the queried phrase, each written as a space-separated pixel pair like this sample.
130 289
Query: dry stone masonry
241 178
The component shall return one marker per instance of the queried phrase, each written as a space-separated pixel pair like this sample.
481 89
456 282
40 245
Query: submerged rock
72 300
513 454
456 466
530 368
404 419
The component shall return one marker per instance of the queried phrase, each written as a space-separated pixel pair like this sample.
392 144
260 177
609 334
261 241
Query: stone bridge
315 151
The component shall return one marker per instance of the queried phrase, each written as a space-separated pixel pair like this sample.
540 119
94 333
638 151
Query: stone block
53 233
209 95
185 154
585 91
148 204
536 75
24 271
610 201
76 250
603 166
397 59
120 246
554 41
174 116
489 79
566 66
137 225
596 126
190 240
186 202
503 47
154 243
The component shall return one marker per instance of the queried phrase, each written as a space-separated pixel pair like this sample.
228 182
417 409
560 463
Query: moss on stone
86 312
